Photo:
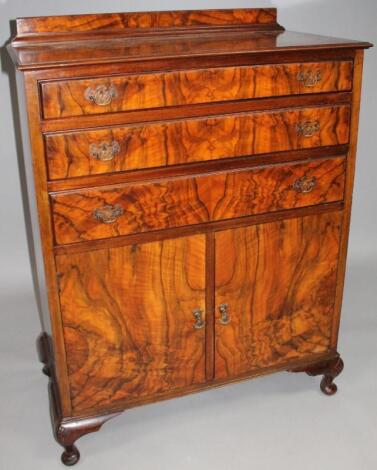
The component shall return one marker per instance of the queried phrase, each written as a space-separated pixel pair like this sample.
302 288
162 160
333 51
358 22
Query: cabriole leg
330 369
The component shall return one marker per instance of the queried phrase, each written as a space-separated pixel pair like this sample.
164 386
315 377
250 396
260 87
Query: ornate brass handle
104 151
309 78
108 214
308 128
305 184
224 312
199 322
101 94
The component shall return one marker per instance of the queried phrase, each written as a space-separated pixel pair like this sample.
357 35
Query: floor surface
277 422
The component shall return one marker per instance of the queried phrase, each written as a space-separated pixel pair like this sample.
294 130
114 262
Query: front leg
330 369
68 431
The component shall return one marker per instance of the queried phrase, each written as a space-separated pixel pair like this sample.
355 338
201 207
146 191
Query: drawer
109 94
117 210
72 154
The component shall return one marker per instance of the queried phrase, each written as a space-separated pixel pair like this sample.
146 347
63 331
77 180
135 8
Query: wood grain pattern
128 322
279 280
115 22
194 140
175 202
152 90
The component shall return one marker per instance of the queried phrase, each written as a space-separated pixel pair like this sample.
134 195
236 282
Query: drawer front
77 97
178 142
106 212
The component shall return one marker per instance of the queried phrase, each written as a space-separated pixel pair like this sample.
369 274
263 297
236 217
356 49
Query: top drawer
77 97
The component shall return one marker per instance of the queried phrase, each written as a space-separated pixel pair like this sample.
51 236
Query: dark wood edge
203 55
187 230
189 169
183 63
210 306
305 363
203 110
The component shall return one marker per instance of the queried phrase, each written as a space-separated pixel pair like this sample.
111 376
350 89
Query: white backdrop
278 422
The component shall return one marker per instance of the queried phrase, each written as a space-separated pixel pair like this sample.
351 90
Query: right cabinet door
275 292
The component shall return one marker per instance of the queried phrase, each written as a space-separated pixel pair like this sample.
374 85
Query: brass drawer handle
104 151
309 78
224 314
199 322
108 214
305 184
101 94
308 128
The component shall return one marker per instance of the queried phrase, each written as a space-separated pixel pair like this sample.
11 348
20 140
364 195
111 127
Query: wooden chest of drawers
192 173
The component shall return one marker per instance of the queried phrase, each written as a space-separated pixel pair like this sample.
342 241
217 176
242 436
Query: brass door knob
198 316
224 314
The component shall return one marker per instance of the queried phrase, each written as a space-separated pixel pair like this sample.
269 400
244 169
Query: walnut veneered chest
192 173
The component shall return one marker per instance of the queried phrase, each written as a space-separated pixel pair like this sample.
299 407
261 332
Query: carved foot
333 369
330 369
70 456
68 431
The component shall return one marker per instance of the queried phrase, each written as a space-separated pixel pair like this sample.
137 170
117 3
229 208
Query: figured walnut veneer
125 338
190 181
194 140
154 90
279 280
175 202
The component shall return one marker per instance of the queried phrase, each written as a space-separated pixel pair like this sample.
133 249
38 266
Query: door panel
128 320
278 280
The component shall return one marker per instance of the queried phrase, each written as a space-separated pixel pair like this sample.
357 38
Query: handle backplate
104 151
108 214
308 128
101 95
305 184
309 78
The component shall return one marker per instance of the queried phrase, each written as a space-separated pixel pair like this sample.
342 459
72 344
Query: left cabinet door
133 320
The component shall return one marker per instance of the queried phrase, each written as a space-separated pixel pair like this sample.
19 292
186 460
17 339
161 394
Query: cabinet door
133 320
275 285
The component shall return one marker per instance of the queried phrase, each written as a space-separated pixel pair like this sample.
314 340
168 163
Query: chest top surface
47 42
